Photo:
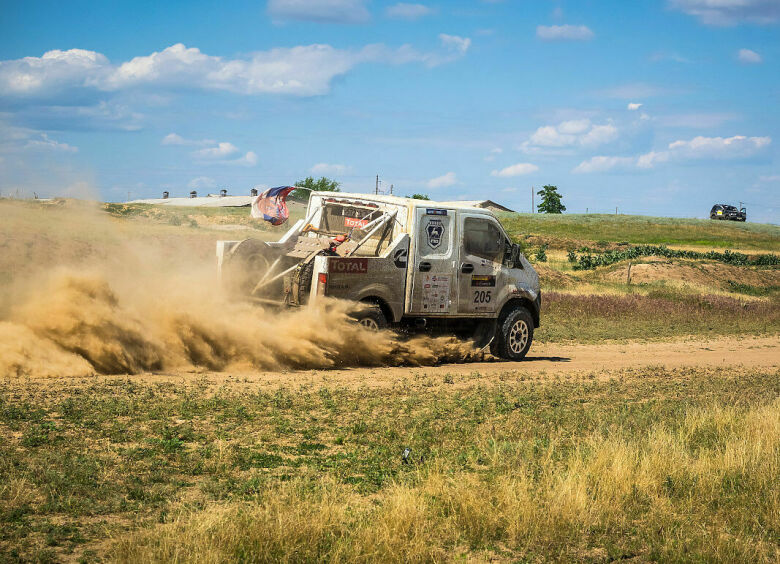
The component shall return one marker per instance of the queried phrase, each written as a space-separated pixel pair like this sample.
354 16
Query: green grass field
647 463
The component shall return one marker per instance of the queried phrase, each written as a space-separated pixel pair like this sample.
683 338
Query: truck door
433 287
482 246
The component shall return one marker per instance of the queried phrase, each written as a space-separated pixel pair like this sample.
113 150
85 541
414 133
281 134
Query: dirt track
543 360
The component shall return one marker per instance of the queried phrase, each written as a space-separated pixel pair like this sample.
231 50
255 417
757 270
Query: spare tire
246 264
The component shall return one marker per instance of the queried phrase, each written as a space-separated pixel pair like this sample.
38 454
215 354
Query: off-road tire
371 317
514 334
304 282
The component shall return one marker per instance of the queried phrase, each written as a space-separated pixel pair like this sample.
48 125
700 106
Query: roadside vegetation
648 463
575 230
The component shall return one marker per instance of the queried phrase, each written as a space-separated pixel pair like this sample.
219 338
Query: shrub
588 261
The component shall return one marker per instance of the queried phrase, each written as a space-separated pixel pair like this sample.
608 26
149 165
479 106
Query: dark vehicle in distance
724 211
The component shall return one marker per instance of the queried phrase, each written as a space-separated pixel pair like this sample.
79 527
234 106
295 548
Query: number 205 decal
482 297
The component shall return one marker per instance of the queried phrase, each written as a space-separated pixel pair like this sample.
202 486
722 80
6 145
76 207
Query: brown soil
545 361
552 278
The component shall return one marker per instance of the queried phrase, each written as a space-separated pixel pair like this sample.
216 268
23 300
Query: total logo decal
348 265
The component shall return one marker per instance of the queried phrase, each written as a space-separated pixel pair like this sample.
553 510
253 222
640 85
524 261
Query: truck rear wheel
371 317
514 334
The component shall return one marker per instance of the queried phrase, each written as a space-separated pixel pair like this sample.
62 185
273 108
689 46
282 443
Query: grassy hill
639 229
559 230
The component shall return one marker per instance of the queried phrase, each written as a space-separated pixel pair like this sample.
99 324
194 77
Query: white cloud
54 69
325 169
455 42
493 152
221 151
648 160
201 183
564 32
571 133
218 153
18 139
749 57
173 139
443 181
249 159
738 146
698 148
769 178
730 12
303 71
406 11
453 48
602 164
47 143
176 139
633 106
515 170
322 11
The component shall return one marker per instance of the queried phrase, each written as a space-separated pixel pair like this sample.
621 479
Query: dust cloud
129 306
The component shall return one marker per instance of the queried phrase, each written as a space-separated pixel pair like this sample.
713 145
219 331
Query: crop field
144 418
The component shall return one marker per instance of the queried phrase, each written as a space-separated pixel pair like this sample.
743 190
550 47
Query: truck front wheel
514 333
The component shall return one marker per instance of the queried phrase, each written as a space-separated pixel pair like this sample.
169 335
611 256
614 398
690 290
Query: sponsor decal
435 211
355 222
435 231
348 265
400 257
483 281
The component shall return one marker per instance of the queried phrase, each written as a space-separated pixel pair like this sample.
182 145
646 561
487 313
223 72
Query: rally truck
412 265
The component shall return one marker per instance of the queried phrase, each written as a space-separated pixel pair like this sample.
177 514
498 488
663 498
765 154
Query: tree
551 200
419 196
321 185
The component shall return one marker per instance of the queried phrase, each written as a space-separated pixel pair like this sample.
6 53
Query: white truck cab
441 266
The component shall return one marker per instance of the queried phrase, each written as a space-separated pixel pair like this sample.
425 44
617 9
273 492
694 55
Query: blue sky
659 107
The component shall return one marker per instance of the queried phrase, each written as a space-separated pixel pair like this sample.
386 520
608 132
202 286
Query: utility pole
376 190
391 189
615 210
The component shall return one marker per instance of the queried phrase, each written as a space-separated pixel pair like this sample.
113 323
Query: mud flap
484 333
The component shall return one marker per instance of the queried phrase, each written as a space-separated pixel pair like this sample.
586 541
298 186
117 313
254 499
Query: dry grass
652 313
663 490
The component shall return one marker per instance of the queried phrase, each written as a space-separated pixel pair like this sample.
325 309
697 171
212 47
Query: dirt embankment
712 275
